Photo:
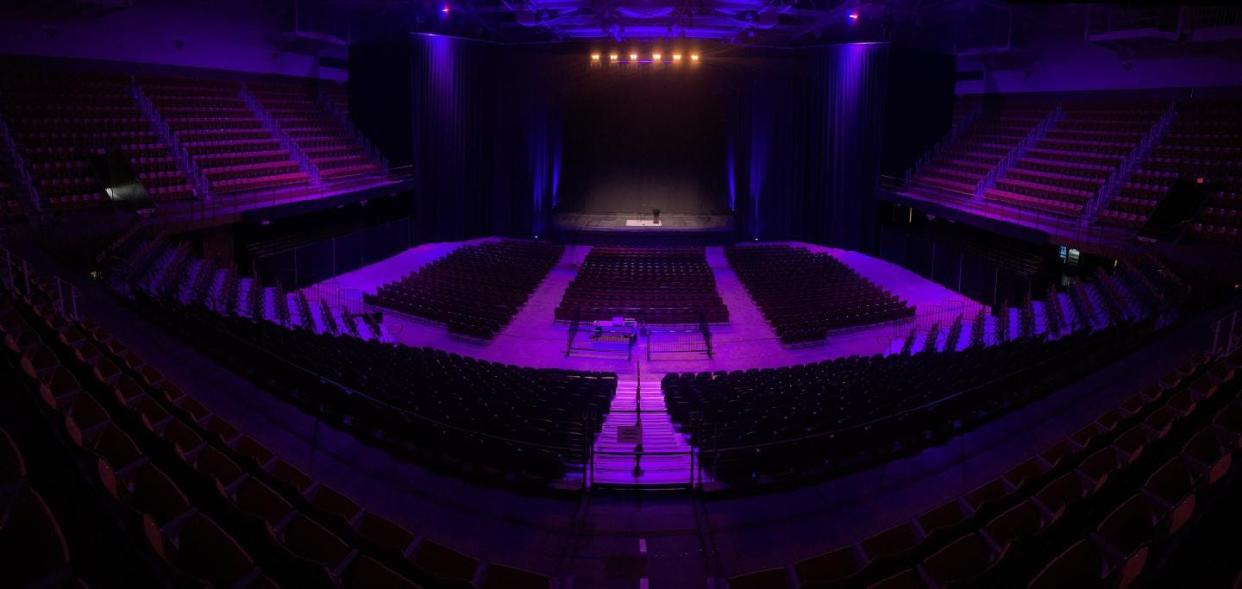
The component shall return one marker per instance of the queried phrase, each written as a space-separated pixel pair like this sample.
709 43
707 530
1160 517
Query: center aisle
638 444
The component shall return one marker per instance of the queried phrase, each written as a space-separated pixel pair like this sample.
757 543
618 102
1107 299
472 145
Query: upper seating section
654 285
222 135
294 107
804 294
1065 169
10 204
999 128
477 289
60 121
1204 140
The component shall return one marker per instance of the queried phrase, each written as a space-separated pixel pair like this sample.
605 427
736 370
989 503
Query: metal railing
182 156
342 118
286 142
17 276
24 179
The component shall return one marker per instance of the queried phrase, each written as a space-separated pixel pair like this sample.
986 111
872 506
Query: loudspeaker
1176 211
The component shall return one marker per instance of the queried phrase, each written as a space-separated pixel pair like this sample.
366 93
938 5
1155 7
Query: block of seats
200 549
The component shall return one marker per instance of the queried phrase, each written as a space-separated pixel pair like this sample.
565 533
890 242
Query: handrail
286 142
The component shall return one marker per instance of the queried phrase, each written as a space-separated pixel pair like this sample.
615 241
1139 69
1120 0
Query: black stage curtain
485 138
919 107
805 142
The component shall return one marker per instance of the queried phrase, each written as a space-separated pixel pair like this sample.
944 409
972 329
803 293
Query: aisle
638 421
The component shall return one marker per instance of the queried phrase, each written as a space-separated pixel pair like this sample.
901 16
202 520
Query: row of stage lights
656 57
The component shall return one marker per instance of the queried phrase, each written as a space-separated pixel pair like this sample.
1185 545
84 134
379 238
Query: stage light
612 57
445 10
676 57
633 57
853 16
694 57
656 57
594 57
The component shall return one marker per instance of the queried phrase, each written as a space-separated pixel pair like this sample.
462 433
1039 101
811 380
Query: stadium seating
61 122
222 135
1063 171
293 106
654 285
1078 521
204 506
475 290
840 414
1203 141
963 164
804 295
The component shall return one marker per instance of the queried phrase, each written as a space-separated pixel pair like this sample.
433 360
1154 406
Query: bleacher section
60 121
653 285
1066 168
224 138
1205 140
475 290
10 204
114 476
293 105
803 295
963 164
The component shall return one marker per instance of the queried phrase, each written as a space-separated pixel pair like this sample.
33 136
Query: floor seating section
764 427
803 295
997 130
653 285
1204 140
1110 505
1065 169
294 106
222 135
475 290
61 122
145 486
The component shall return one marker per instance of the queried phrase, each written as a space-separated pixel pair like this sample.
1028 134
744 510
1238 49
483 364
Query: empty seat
203 550
444 563
895 542
12 464
1080 565
32 547
365 572
829 567
964 559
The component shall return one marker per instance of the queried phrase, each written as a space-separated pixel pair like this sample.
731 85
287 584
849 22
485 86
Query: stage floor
637 221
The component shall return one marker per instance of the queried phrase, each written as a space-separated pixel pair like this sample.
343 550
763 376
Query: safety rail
286 142
342 118
184 162
1003 165
1122 174
31 193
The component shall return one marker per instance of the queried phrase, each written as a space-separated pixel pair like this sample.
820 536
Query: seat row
1106 506
654 285
204 503
803 295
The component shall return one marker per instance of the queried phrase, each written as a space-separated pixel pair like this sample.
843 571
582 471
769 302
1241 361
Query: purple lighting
853 16
445 10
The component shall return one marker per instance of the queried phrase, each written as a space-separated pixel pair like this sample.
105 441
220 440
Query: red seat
964 559
32 547
1079 566
829 567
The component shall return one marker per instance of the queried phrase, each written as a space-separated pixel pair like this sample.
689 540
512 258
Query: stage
639 228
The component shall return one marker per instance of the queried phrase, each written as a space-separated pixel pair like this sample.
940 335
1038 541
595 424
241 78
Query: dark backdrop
644 138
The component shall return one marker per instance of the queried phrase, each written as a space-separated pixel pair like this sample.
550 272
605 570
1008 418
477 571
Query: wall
1069 64
217 34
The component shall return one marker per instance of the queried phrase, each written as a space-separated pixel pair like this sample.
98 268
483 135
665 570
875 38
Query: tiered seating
60 122
1205 140
10 205
223 137
476 290
1106 506
804 295
292 104
999 129
654 285
772 425
157 473
1065 169
489 420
